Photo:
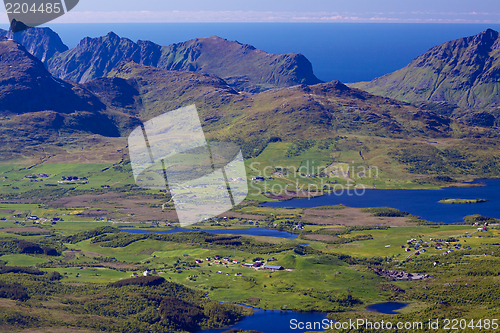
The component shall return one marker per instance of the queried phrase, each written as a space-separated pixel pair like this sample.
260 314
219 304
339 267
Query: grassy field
176 263
317 280
22 260
398 236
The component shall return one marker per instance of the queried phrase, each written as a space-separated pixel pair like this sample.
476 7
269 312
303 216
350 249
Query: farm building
258 263
277 268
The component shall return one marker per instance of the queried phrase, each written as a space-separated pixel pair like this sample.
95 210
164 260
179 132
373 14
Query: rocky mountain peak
17 26
43 43
489 36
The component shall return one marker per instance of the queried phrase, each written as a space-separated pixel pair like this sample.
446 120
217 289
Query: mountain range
240 65
122 83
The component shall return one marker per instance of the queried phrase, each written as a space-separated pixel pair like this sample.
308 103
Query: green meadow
330 274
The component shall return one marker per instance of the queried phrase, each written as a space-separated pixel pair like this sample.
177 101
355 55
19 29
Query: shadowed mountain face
43 43
464 72
34 105
26 86
241 66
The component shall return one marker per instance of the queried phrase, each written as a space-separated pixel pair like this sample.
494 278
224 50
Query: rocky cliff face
464 72
43 43
93 58
240 65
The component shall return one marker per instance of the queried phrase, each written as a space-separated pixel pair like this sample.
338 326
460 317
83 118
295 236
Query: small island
462 201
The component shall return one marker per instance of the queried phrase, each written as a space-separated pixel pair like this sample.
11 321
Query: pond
423 203
276 322
250 231
387 307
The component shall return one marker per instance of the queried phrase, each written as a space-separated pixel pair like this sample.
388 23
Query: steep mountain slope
43 43
242 66
35 106
464 72
26 86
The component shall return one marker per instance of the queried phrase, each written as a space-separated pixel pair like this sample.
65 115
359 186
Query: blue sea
348 52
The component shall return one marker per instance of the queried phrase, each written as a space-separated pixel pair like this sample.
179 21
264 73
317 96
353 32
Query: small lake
250 232
386 308
274 321
423 203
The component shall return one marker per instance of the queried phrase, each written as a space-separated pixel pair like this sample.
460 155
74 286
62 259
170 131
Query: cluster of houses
34 178
36 219
71 179
413 243
235 274
107 219
40 175
259 263
419 246
147 272
483 228
218 260
239 179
